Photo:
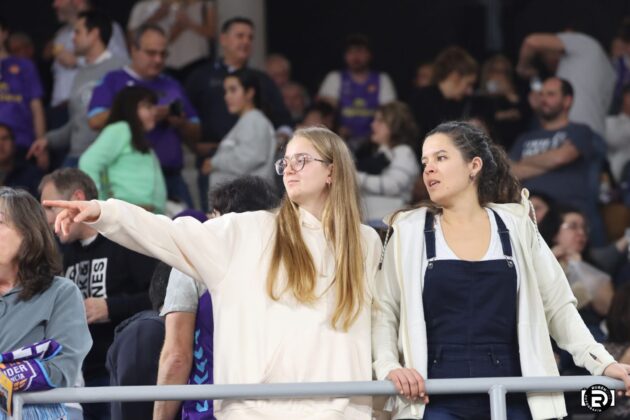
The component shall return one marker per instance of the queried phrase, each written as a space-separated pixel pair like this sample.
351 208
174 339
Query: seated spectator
37 304
357 91
296 100
618 136
249 148
454 75
618 345
387 171
500 102
424 75
561 158
547 217
188 308
133 357
321 114
112 279
14 172
278 68
190 25
592 287
121 160
21 99
177 120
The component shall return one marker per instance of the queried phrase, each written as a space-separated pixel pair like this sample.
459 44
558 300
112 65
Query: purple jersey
19 85
164 138
201 372
358 103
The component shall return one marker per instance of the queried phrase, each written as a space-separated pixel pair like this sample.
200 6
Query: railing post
498 409
18 405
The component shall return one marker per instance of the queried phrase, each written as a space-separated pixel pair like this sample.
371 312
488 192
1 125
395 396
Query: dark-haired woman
249 148
469 289
121 161
35 305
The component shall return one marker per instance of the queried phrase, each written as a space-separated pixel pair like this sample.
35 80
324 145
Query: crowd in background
132 110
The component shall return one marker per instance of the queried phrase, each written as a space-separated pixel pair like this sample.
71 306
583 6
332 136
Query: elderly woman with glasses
249 147
290 288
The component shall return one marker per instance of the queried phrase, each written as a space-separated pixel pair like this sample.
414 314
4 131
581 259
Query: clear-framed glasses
296 161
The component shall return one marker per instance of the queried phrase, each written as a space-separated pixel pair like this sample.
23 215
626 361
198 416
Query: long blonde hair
341 223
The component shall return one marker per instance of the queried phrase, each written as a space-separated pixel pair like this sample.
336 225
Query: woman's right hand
409 383
73 212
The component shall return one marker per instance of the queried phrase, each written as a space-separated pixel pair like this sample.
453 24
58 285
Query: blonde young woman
470 289
290 288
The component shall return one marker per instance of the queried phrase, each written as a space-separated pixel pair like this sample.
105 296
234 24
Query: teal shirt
122 172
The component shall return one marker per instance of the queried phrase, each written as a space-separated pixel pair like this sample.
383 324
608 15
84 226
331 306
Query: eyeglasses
296 161
574 226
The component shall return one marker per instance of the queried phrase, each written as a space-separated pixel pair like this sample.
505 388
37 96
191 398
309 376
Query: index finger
60 204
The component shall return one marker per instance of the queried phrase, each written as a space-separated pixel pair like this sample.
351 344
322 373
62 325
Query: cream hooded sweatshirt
256 339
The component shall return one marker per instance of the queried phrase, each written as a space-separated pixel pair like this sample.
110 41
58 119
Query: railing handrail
310 390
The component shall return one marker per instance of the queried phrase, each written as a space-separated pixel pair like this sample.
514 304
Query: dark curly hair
495 182
38 258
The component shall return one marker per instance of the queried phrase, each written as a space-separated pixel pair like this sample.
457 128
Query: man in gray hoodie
92 32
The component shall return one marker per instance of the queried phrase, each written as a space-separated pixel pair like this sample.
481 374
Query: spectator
91 35
205 89
188 308
591 286
387 174
500 102
133 357
296 100
121 161
293 319
424 75
66 63
320 113
21 99
21 45
357 91
14 172
621 61
37 304
177 120
249 148
112 279
190 25
547 217
618 136
278 68
454 75
580 60
561 158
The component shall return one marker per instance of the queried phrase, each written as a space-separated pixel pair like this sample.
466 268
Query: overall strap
429 236
504 235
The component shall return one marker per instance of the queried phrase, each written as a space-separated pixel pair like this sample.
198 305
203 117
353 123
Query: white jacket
545 306
257 339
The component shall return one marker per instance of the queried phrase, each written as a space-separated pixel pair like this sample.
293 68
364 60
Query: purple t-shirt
164 138
19 85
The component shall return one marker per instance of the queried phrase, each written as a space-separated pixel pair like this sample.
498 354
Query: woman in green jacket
120 161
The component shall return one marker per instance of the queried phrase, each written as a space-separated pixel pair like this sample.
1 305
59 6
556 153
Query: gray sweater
248 149
57 313
76 133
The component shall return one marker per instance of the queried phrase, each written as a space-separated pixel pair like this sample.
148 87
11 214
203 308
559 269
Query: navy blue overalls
470 313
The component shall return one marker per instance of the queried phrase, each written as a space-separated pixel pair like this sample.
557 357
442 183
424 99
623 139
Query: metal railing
495 387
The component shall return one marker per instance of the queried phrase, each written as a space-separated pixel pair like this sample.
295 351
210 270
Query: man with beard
561 158
357 91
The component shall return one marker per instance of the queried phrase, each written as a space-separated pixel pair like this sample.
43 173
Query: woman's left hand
619 371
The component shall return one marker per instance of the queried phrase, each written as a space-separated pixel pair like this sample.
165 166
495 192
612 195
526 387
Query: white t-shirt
189 46
588 68
494 252
182 293
332 86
